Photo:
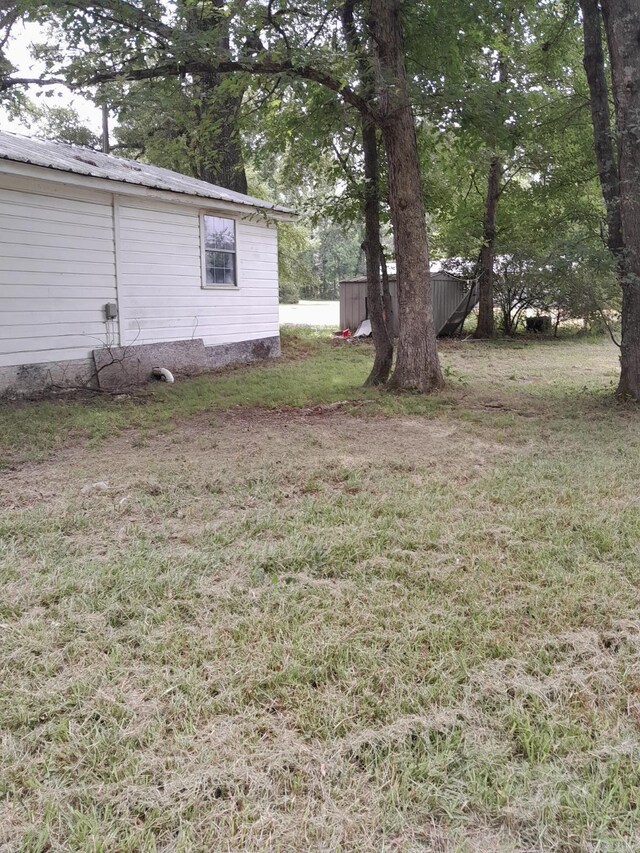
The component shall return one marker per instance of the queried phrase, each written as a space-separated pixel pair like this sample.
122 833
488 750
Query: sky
19 54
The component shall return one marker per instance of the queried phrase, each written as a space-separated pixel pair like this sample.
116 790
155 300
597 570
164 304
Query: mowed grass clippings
408 626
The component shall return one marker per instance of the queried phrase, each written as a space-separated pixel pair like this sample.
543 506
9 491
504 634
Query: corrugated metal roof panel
95 164
435 269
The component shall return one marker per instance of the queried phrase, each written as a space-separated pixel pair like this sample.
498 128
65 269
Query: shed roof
434 269
95 164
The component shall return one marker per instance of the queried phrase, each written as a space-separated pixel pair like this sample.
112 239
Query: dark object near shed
538 324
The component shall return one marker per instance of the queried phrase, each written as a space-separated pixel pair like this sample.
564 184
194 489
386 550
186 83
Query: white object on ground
163 374
94 487
363 330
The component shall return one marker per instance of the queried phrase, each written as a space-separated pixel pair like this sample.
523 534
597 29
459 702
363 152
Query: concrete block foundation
124 368
31 380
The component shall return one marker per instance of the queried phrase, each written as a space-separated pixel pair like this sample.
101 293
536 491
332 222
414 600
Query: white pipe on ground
163 374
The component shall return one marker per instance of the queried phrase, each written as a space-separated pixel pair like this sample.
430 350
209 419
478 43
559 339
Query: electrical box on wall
110 311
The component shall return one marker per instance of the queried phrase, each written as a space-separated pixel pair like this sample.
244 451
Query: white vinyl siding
57 270
160 277
61 260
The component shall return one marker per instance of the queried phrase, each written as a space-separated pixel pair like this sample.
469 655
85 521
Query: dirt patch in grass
225 445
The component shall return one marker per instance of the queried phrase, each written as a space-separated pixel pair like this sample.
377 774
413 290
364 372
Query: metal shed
453 298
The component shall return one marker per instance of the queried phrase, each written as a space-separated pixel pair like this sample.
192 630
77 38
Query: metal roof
95 164
434 269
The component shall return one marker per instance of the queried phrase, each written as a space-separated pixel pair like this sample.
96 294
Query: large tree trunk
417 365
381 334
217 146
485 328
622 20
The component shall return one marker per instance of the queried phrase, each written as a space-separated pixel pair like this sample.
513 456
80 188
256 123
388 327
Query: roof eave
126 188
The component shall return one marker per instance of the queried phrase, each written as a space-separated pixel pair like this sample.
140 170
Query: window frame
203 252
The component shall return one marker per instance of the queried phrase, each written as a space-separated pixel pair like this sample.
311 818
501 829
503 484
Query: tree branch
7 83
128 15
258 66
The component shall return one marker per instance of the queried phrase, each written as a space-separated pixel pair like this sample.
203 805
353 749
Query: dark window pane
219 233
220 268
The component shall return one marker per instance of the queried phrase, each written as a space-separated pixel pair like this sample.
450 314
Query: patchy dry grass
408 626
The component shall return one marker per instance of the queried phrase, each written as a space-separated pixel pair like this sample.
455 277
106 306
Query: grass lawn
399 624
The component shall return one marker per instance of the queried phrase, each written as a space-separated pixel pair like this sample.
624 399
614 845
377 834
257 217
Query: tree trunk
622 20
485 326
506 320
380 331
603 133
382 342
417 364
216 141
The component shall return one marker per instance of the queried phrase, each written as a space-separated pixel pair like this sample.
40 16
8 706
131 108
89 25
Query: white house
110 267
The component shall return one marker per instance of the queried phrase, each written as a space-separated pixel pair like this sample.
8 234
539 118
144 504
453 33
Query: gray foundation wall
30 380
128 367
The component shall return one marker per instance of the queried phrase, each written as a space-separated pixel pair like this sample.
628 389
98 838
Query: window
219 238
